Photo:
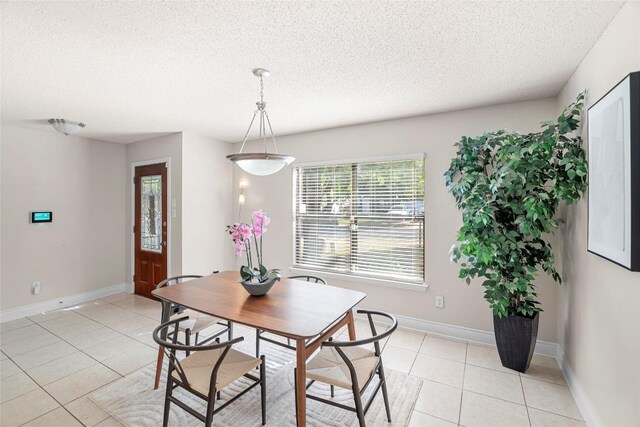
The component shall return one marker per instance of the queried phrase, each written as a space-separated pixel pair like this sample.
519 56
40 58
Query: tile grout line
464 372
434 416
32 336
559 415
108 327
417 353
79 350
87 354
55 409
544 381
53 360
60 405
543 410
41 387
44 328
524 397
466 343
101 362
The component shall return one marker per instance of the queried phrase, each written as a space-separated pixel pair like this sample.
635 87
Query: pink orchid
239 246
245 232
247 239
260 222
240 233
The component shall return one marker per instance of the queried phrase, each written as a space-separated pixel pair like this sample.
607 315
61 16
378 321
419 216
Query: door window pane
151 214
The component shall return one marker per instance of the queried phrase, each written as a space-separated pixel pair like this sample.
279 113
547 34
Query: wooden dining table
305 312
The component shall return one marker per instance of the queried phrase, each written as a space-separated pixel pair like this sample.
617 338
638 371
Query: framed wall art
614 174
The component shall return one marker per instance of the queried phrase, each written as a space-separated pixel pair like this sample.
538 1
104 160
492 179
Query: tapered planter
258 289
516 340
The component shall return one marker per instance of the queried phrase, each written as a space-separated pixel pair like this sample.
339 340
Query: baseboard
580 396
53 304
476 336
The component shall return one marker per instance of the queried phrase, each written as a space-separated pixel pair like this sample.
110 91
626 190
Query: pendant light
262 162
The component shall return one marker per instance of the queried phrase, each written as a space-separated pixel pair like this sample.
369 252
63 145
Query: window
361 218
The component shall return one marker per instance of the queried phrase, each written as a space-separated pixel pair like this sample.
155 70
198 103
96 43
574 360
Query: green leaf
246 273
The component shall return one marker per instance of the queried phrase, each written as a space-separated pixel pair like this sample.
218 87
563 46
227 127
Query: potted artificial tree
508 187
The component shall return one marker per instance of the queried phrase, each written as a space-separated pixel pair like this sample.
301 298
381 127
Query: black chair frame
178 309
359 409
170 348
288 345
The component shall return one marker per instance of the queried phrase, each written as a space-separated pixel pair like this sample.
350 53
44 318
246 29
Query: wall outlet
439 301
35 288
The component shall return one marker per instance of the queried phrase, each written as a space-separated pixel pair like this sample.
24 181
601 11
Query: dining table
307 313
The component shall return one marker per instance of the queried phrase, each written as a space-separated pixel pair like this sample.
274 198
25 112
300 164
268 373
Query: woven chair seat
197 321
199 365
328 367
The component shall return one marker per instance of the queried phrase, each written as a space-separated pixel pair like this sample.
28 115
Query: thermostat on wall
38 217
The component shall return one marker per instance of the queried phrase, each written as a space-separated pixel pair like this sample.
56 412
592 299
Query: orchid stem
261 231
249 254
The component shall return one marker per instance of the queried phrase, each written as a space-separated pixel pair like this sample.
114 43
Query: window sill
359 279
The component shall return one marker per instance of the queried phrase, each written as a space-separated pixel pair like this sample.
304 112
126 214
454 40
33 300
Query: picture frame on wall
614 174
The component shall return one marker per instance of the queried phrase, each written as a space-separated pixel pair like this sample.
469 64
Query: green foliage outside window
508 187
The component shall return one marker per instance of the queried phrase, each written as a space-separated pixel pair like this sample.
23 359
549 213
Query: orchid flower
241 235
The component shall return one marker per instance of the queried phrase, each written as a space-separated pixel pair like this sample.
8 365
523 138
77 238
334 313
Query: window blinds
364 218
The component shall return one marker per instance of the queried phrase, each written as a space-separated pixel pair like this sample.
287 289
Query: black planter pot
516 339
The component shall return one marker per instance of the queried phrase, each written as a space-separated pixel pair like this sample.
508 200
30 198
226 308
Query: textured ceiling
131 70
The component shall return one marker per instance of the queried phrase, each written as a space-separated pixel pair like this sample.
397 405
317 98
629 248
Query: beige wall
81 181
206 201
435 136
168 146
599 327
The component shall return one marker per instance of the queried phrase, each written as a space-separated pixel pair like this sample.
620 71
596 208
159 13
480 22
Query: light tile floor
50 362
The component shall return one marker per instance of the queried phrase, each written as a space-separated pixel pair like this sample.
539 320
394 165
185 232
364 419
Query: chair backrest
375 339
170 281
168 341
313 279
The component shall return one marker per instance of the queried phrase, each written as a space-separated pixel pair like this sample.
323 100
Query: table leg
156 382
301 382
351 326
166 309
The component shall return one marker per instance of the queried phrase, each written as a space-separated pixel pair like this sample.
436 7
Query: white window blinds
364 218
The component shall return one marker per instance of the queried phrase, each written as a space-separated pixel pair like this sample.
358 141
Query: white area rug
133 401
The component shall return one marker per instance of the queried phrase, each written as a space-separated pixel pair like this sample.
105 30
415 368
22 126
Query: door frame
132 243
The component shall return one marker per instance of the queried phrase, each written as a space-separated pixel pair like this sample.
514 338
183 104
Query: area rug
133 402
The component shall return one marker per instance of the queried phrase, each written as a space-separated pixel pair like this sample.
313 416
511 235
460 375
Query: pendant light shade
261 163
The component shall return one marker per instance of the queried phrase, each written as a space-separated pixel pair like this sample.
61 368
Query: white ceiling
130 70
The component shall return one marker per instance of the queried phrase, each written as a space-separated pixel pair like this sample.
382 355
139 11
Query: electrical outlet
439 301
35 288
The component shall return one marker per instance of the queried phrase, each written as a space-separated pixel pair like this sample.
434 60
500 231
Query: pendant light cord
261 90
262 125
